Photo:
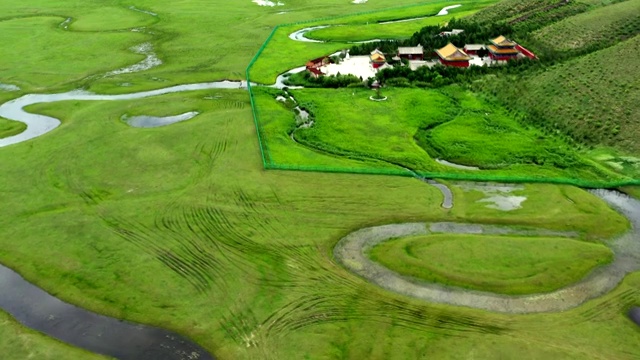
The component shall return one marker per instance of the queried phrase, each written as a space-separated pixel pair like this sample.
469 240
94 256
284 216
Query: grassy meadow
575 97
501 264
189 233
181 227
411 129
196 40
10 128
544 206
355 30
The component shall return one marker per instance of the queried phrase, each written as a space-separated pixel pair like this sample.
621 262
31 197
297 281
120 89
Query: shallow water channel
38 125
35 308
351 253
145 121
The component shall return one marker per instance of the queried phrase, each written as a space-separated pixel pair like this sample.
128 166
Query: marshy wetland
181 227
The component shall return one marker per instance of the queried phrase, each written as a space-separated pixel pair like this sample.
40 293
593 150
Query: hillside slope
593 98
591 30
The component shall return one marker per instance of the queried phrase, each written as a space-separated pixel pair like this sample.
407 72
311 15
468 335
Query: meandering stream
38 125
351 253
39 310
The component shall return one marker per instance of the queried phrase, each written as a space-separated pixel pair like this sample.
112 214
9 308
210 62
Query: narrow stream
41 311
301 35
37 309
38 125
351 253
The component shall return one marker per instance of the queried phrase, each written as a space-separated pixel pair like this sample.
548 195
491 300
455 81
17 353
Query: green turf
111 18
544 203
368 31
44 56
10 128
510 10
502 264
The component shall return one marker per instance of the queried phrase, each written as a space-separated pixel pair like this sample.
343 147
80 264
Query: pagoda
450 55
502 48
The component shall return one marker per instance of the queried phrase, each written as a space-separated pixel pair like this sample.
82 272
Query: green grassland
509 9
412 128
601 27
181 227
249 273
501 264
18 342
10 128
374 30
44 56
196 40
543 205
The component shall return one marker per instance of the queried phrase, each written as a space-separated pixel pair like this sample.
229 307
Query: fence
269 164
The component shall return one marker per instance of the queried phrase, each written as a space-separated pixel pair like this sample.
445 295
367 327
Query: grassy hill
593 98
527 15
591 30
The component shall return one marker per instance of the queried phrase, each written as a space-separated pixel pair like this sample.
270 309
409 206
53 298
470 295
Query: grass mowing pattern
502 264
592 30
10 128
290 301
201 240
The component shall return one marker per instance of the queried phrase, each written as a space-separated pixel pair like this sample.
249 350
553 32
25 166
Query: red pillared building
411 53
450 55
313 66
472 49
502 48
377 58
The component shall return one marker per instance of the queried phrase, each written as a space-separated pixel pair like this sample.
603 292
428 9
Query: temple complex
450 55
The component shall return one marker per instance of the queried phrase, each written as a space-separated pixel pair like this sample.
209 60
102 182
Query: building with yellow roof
450 55
377 58
502 48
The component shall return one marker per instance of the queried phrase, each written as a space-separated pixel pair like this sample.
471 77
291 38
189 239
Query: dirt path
350 252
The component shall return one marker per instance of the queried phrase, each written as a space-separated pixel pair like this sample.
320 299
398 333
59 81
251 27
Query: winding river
41 311
351 253
38 125
35 308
